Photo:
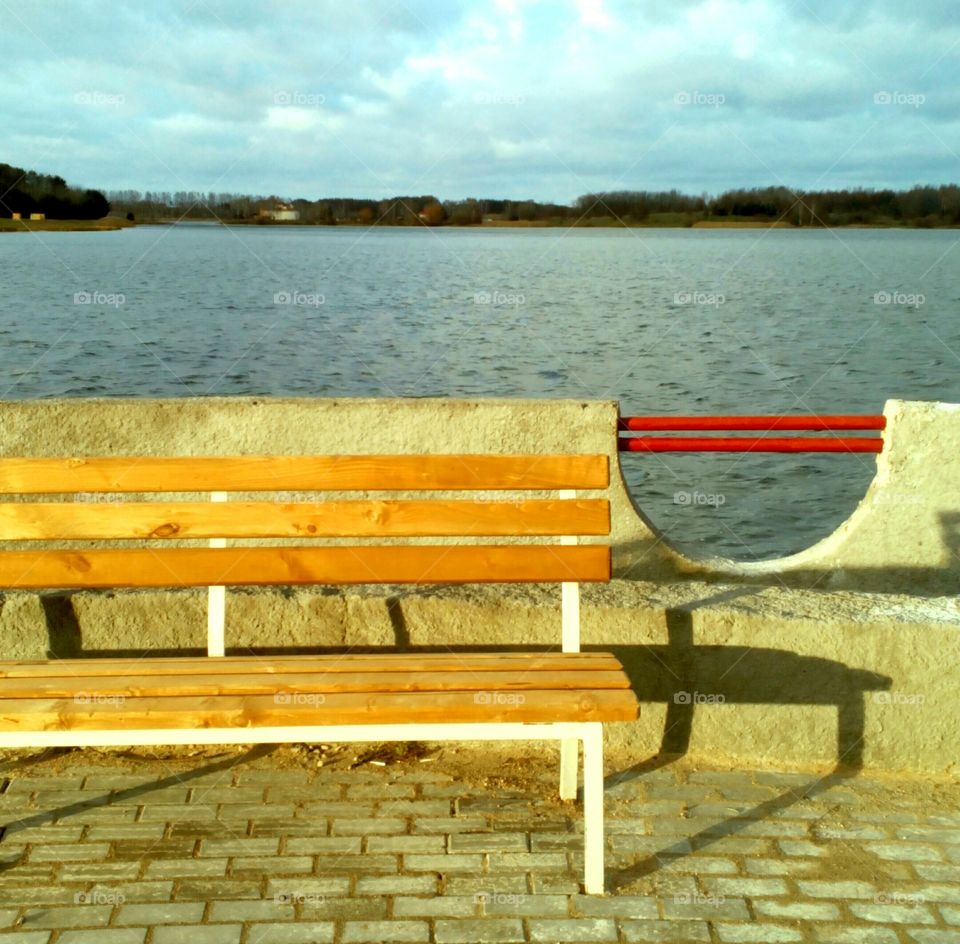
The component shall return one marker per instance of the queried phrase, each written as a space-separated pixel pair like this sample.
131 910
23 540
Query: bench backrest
94 506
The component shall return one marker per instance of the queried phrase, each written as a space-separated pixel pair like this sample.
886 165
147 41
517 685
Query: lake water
665 321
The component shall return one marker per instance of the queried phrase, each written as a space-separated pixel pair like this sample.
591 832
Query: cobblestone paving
236 852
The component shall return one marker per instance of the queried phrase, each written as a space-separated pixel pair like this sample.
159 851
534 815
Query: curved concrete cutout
904 536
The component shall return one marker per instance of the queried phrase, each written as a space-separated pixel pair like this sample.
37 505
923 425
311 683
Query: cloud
517 98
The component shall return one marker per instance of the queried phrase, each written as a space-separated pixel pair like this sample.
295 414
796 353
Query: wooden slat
149 520
297 685
473 662
232 711
300 473
290 566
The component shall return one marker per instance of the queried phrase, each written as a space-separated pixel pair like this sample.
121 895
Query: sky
540 99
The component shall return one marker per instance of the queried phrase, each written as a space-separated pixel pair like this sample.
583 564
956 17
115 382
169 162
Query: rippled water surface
665 321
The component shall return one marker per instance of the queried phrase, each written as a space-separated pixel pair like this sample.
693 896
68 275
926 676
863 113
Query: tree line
26 191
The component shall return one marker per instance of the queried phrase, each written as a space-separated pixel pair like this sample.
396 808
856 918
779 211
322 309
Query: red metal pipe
747 444
663 423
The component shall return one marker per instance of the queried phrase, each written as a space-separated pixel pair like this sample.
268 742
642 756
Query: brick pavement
242 850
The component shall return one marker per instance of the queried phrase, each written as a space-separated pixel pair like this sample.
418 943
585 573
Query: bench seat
104 694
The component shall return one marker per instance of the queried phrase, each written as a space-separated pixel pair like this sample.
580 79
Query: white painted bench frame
569 734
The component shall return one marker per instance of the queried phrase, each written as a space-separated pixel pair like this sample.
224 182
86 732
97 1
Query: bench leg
569 768
593 872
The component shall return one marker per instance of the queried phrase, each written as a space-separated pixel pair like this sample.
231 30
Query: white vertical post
570 640
216 600
593 871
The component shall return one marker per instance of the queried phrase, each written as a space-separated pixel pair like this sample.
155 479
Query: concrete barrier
731 663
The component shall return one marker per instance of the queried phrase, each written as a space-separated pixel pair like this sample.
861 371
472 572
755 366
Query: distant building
38 216
281 213
16 216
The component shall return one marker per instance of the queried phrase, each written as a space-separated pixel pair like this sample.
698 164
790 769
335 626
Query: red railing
750 443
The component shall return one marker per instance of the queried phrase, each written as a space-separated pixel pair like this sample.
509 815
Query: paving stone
758 933
139 891
444 862
892 914
733 845
126 831
342 808
388 864
449 906
346 909
366 827
30 784
573 929
783 866
273 865
261 909
930 834
938 873
405 844
949 893
670 932
932 936
310 793
43 834
165 913
185 868
950 915
315 845
515 861
241 811
239 847
313 932
26 937
62 852
99 871
338 886
799 911
698 864
619 906
837 934
210 890
905 851
823 889
449 824
707 907
850 832
802 847
504 904
553 842
748 887
8 916
380 791
396 885
148 849
488 930
273 777
445 790
207 934
375 932
102 936
80 916
414 808
299 828
476 884
179 814
547 884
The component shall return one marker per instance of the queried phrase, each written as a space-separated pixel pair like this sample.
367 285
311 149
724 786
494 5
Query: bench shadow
43 817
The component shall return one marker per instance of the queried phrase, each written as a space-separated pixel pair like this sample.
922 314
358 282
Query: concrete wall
730 664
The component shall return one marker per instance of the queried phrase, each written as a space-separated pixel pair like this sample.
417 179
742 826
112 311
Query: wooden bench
562 694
